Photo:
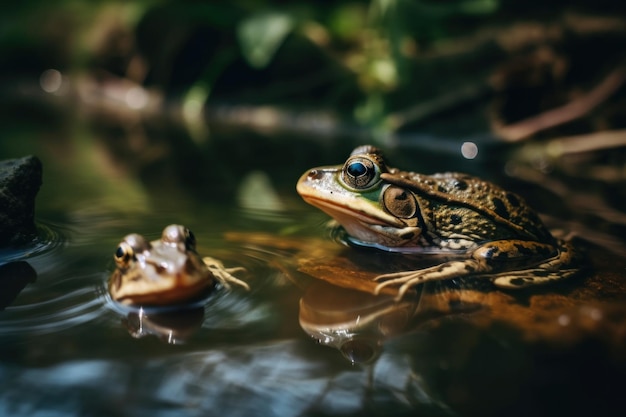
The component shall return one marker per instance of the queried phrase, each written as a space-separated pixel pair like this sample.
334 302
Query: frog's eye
360 172
176 234
136 243
123 254
128 249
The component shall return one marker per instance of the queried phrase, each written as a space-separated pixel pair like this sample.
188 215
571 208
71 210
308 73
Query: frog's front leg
446 270
492 256
224 275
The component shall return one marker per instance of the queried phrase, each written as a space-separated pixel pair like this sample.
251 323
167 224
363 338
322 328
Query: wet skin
490 232
166 271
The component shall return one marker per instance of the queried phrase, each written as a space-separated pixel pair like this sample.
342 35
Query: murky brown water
67 349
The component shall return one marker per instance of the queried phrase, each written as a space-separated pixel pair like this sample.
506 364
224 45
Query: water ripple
46 295
50 237
67 310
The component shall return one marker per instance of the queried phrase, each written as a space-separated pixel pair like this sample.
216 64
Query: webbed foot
224 275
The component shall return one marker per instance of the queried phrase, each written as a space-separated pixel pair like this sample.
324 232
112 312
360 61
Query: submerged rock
20 180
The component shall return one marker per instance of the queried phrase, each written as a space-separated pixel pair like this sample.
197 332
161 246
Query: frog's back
453 201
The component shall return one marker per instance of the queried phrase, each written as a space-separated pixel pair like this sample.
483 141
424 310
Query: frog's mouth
369 229
153 284
351 214
169 296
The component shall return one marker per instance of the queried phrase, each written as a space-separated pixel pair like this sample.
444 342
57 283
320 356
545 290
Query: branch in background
587 143
574 109
435 106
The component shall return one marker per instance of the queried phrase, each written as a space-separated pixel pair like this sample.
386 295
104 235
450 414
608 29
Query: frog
483 230
167 271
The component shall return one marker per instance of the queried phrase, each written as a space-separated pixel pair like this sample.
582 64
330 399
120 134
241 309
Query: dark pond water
67 349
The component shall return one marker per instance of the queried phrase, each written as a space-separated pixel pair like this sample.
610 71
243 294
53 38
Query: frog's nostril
315 174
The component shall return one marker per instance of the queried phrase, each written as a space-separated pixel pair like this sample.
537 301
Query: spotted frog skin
489 232
164 272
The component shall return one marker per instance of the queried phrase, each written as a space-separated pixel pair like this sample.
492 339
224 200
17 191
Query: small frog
485 230
165 272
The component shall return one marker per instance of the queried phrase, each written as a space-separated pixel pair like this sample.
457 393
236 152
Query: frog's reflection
172 327
357 323
354 322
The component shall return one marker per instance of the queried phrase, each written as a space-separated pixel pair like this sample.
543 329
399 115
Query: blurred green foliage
428 74
371 37
364 59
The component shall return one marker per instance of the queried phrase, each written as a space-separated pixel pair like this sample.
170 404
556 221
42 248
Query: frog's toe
380 286
394 277
406 279
227 279
224 275
406 284
235 269
212 263
234 280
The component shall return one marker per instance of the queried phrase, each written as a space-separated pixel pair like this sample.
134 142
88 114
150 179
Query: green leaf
261 35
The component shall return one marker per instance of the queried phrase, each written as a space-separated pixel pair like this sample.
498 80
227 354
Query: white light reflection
51 80
469 150
136 98
564 320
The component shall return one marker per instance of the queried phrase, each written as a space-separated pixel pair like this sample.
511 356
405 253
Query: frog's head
371 210
162 272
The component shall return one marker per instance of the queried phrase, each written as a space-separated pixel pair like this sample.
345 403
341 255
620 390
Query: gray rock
20 180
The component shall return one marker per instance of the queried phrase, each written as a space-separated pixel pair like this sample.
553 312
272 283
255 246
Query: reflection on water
173 327
49 237
66 349
53 315
64 304
242 353
355 323
221 310
282 378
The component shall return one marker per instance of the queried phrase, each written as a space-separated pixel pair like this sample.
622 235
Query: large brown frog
488 232
166 271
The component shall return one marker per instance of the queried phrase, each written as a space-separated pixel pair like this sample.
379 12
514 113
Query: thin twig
571 111
587 143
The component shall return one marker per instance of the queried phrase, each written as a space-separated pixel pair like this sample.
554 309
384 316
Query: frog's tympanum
489 232
165 271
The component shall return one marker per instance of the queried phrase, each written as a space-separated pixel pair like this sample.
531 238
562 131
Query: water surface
67 349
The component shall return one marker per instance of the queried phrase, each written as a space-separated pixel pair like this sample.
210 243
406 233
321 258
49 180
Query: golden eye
123 254
128 248
360 173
